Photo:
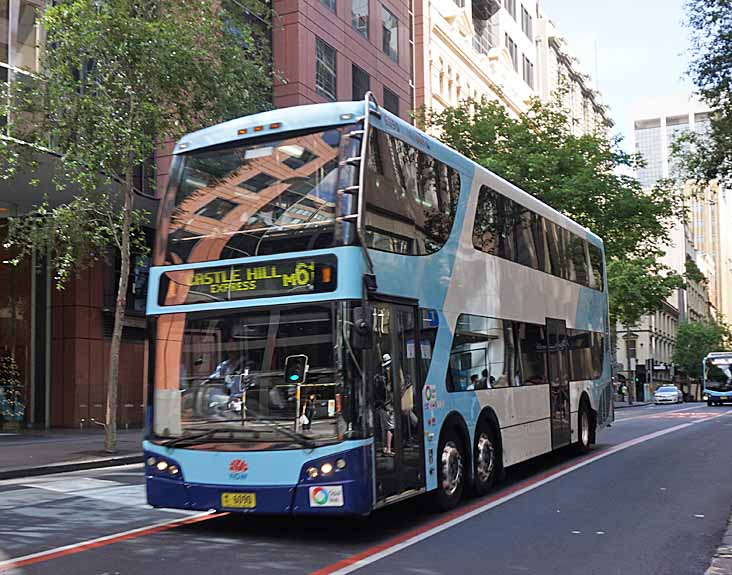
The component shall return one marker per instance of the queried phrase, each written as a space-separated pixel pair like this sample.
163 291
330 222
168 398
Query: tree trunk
110 439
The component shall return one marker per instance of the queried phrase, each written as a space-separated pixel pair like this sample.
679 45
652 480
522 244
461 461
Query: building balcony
484 9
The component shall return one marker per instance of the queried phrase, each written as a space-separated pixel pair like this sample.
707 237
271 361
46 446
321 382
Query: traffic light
296 368
640 374
363 329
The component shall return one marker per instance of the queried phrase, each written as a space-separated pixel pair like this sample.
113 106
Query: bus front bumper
717 395
346 491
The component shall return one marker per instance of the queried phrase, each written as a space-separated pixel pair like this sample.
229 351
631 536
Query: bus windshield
718 374
230 374
259 197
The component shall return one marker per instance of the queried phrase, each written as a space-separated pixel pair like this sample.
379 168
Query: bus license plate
723 397
239 500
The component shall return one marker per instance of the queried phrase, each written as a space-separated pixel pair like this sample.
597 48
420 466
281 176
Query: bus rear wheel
584 428
487 458
450 471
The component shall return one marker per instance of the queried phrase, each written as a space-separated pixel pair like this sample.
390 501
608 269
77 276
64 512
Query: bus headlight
162 465
312 472
326 468
340 463
151 461
705 397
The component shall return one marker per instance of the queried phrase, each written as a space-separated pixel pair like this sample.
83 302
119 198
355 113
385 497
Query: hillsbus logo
238 469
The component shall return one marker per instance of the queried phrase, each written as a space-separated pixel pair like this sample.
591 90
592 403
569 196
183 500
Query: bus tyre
709 403
487 458
450 470
584 428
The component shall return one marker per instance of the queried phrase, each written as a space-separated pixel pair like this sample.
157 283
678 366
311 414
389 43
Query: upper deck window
269 196
506 229
411 197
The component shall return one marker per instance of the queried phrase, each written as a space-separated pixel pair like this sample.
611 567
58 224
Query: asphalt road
652 498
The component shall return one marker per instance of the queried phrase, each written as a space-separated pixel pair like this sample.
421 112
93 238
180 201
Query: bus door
558 356
392 372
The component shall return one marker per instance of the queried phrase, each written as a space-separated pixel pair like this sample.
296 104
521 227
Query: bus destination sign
277 278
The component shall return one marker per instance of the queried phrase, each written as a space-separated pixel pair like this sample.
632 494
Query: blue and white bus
347 313
717 370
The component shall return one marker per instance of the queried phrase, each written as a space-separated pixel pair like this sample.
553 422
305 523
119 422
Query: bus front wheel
487 457
450 470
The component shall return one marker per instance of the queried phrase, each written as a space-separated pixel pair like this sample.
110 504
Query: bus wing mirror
362 333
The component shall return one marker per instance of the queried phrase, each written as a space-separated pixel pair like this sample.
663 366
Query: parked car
668 394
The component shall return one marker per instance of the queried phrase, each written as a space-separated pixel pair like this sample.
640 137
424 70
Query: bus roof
307 116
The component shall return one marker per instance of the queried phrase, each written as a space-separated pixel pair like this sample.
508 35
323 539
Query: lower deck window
490 353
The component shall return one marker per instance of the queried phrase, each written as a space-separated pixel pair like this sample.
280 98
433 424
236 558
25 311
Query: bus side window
596 263
533 354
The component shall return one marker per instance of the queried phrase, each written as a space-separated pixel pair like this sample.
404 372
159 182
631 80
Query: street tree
695 339
586 178
120 78
708 155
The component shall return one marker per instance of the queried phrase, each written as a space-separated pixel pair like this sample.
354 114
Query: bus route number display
244 281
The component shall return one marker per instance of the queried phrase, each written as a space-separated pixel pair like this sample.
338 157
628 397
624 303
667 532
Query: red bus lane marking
413 536
103 541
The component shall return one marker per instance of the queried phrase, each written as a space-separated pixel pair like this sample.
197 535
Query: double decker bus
347 313
717 373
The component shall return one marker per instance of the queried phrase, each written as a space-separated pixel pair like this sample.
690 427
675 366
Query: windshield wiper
299 438
193 437
203 435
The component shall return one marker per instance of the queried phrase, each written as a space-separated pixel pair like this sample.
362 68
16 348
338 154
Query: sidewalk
722 560
32 452
622 404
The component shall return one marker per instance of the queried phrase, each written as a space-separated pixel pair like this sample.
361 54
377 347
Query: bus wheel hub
484 453
452 468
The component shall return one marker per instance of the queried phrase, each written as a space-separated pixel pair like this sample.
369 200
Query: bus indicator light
243 131
326 274
275 126
258 128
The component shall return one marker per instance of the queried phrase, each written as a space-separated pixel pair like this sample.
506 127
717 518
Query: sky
642 50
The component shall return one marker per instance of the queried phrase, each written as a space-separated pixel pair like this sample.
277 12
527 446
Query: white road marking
483 508
70 484
656 414
68 474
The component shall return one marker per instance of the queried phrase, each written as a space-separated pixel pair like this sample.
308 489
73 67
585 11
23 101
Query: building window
510 6
329 4
391 101
325 70
528 71
360 17
27 41
390 35
526 23
513 51
360 82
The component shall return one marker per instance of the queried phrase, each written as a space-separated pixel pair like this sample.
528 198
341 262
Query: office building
325 50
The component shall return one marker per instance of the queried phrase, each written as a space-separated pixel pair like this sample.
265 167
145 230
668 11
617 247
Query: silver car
668 394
